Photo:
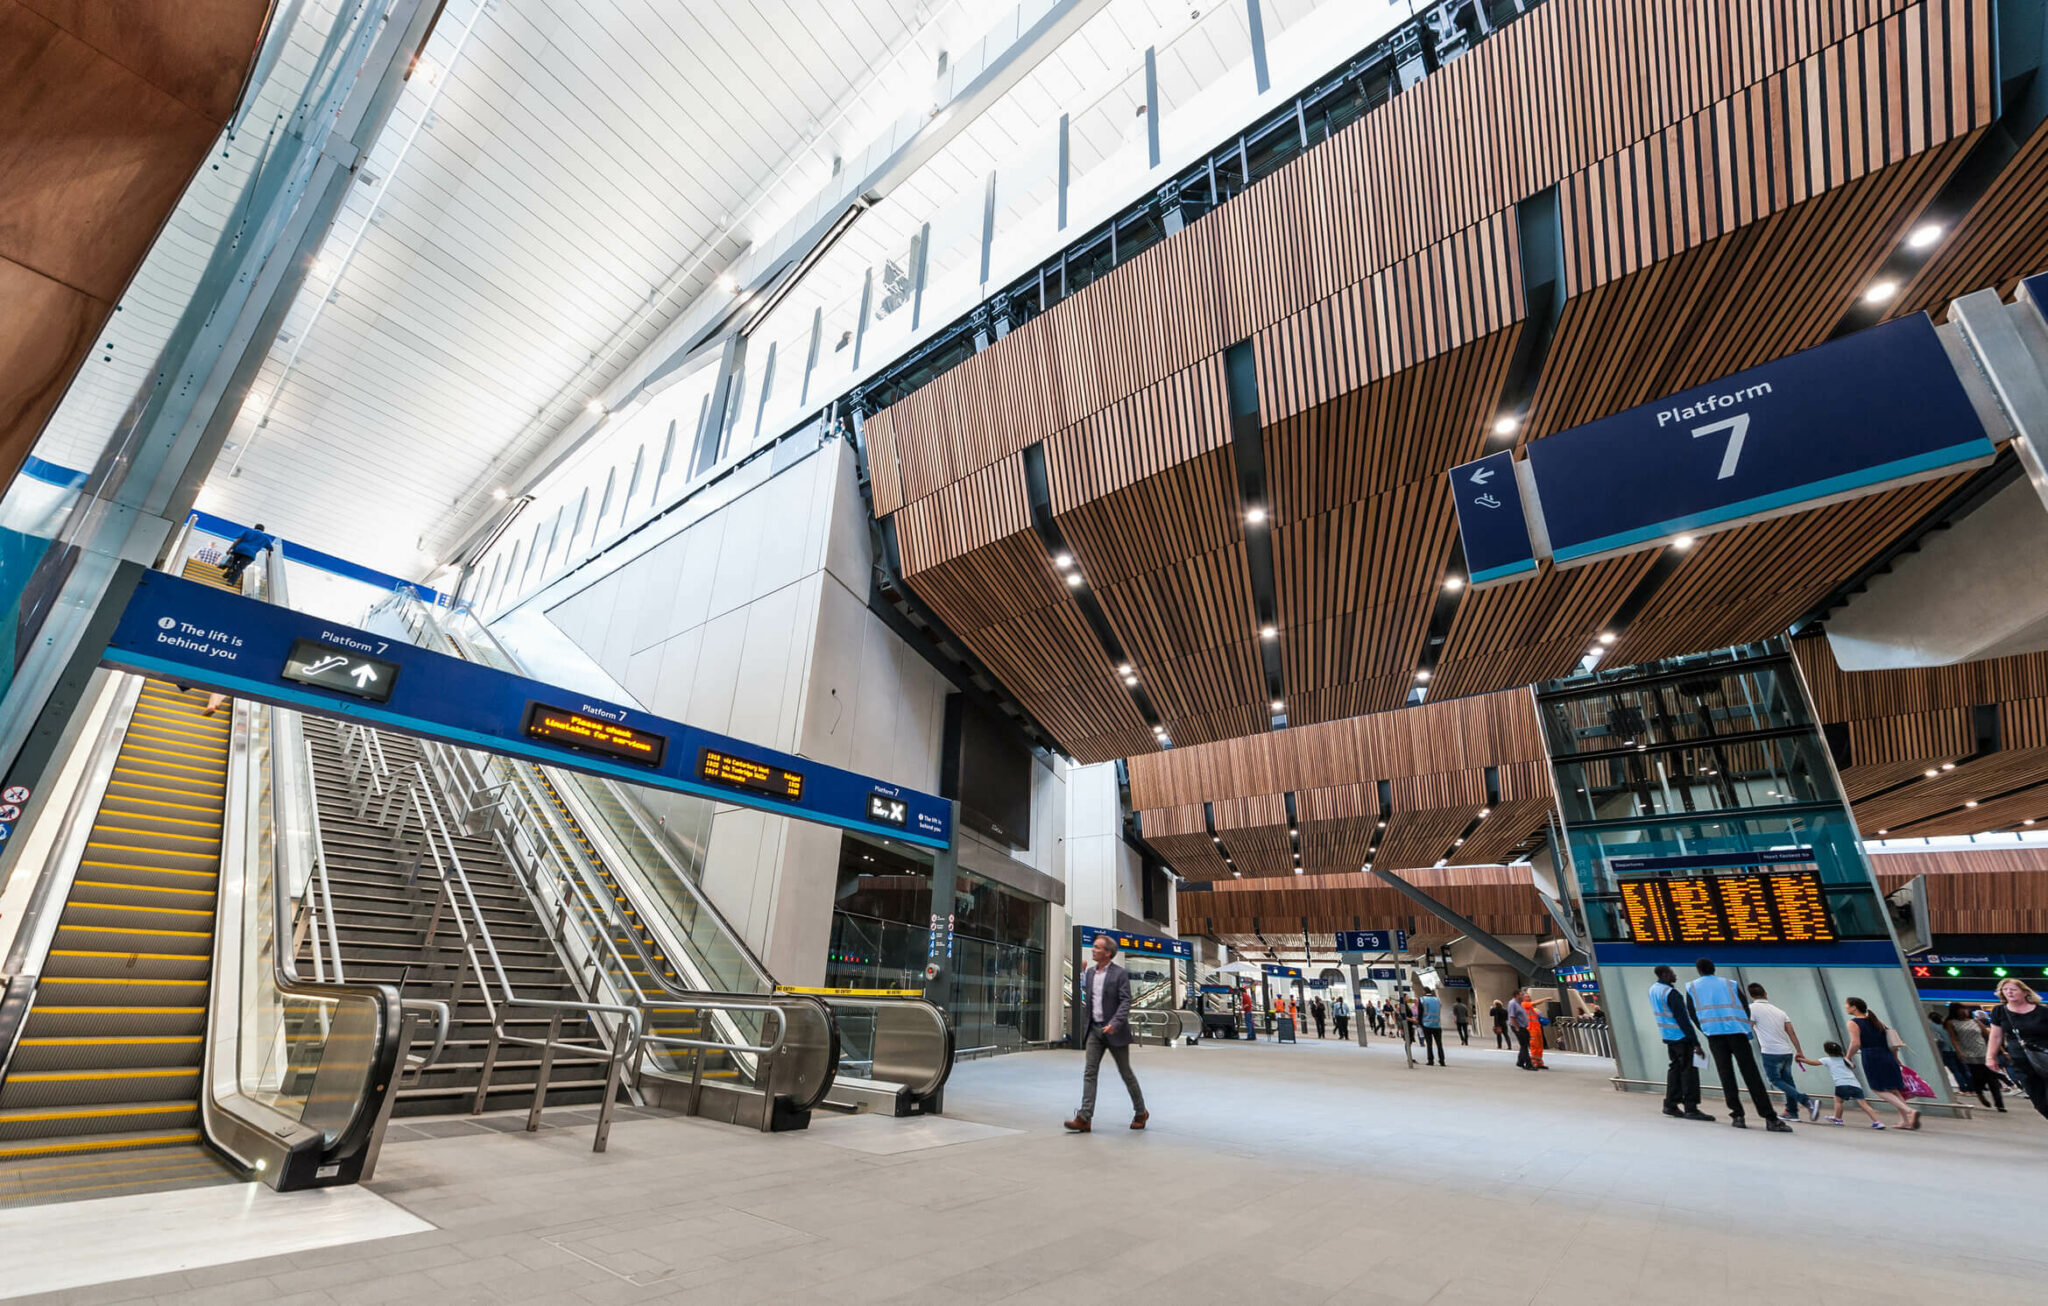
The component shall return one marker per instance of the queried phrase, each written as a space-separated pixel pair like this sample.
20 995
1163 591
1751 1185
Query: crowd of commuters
1711 1018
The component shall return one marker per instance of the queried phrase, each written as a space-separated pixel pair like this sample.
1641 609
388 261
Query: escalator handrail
673 995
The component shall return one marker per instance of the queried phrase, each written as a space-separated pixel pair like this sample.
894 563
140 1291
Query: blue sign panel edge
1815 494
283 625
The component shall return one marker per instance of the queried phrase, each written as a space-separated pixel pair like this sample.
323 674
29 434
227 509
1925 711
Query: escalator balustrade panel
102 1092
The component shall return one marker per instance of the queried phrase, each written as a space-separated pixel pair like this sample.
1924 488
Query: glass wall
1714 769
881 937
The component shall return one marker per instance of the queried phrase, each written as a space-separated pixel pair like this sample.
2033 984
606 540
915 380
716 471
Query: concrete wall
753 621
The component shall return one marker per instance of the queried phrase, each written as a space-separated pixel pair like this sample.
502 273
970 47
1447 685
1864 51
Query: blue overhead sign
1498 544
1283 972
1372 940
1383 973
1147 945
198 635
1879 408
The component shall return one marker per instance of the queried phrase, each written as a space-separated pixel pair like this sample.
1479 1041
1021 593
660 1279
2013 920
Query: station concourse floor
1315 1172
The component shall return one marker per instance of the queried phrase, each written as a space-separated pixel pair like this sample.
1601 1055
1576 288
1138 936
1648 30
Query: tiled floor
1302 1174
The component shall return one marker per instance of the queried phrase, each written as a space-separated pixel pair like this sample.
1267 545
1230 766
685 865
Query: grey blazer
1116 1002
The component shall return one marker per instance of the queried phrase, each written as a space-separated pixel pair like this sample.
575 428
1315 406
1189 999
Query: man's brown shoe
1078 1125
1138 1120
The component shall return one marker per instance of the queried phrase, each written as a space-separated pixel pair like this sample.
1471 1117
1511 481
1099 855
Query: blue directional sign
1283 972
1383 973
198 635
1800 856
1879 408
1491 522
1372 940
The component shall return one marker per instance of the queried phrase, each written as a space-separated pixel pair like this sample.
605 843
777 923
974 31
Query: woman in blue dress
1868 1035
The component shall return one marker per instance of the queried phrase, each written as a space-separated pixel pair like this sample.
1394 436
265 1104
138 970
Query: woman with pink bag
1881 1067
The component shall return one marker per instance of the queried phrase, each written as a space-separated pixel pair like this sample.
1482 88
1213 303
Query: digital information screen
754 777
342 670
884 810
593 734
1780 907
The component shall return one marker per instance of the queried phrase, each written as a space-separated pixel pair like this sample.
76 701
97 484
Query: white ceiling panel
549 192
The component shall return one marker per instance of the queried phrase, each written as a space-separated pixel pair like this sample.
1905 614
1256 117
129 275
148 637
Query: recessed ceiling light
1297 870
1884 831
728 283
2028 821
1124 669
1238 874
1507 426
1131 680
1292 833
1063 560
499 494
1074 579
1422 675
1606 637
1881 292
1383 825
1255 516
1682 542
1278 705
1925 235
1932 774
1269 632
1452 584
1948 766
1971 803
1485 812
594 406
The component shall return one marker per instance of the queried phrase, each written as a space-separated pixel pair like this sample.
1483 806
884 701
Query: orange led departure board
1766 907
559 725
745 773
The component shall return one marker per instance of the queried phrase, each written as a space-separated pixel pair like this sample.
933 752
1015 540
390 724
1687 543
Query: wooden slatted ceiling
1894 869
1986 901
2005 239
1840 695
1665 157
1948 791
1507 828
1465 735
1499 899
2010 811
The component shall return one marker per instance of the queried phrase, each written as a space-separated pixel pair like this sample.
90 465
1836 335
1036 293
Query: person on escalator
242 551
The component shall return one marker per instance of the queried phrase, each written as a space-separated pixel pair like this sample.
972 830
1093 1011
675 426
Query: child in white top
1847 1087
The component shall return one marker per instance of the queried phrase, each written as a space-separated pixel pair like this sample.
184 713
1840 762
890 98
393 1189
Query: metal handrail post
547 1070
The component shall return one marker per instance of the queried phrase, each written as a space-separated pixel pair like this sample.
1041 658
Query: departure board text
755 777
1759 908
560 725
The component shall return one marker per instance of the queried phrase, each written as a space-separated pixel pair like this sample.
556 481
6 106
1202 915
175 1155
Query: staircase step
22 1123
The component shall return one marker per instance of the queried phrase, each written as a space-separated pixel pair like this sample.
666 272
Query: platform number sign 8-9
1737 428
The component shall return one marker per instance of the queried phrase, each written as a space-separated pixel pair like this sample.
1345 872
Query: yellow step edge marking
122 906
95 1113
152 739
178 723
143 888
92 979
122 1041
164 802
204 771
134 956
101 826
55 1166
118 1011
172 820
80 1076
154 852
101 1145
119 929
155 1175
153 870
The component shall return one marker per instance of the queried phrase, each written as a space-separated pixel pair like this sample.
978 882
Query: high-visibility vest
1717 1005
1660 1004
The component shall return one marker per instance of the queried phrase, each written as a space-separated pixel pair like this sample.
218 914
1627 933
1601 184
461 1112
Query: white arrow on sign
1482 476
363 675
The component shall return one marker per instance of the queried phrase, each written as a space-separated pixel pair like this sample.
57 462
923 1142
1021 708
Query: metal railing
1593 1038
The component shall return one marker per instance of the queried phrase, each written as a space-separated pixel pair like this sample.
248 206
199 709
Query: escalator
666 951
144 1044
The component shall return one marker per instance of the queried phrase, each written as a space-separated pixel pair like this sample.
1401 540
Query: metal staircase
392 925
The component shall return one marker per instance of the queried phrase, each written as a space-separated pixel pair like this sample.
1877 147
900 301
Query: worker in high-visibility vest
1721 1010
1536 1020
1681 1047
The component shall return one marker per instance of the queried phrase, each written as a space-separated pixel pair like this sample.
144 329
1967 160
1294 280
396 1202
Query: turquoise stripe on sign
1869 476
181 673
1509 569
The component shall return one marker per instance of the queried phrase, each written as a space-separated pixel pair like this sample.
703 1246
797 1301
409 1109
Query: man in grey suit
1106 997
